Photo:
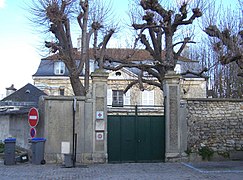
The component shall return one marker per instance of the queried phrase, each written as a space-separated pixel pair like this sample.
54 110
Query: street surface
230 170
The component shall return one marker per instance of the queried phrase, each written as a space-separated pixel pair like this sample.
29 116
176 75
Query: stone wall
215 123
4 124
57 114
193 87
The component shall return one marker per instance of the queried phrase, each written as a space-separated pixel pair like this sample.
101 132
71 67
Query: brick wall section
215 123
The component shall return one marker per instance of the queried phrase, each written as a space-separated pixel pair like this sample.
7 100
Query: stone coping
70 98
214 99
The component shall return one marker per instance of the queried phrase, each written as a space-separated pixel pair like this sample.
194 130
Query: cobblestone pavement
148 171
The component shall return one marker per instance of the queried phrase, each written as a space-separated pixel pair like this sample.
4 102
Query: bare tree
225 46
157 34
58 15
227 38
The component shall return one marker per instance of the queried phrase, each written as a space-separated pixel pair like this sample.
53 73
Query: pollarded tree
157 33
58 16
228 38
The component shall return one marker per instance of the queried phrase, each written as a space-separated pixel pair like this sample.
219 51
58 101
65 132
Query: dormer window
59 68
92 66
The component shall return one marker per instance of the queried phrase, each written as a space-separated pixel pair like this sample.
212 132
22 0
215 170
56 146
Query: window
59 68
147 97
61 91
93 65
117 98
118 73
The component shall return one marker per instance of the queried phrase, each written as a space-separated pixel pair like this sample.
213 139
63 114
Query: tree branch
79 19
150 82
155 6
184 43
104 44
179 20
199 74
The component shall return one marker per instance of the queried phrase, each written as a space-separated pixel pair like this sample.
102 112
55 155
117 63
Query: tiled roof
46 67
119 53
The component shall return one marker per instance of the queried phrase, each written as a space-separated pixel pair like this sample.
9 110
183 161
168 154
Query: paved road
146 171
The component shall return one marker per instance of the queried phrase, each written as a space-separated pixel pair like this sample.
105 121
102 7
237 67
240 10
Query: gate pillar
173 126
99 93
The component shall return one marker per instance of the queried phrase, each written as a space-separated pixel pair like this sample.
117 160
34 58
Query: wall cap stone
214 99
99 73
66 98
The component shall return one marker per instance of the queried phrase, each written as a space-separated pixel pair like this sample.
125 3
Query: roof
46 67
28 93
120 53
191 75
21 101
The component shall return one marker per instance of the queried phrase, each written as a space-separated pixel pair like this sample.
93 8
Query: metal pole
73 150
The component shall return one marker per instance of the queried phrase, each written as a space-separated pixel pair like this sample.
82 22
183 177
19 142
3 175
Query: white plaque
99 114
65 149
99 125
99 136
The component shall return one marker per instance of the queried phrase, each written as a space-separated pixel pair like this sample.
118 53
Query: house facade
52 78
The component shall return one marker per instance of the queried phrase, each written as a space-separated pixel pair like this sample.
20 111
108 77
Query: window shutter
148 97
109 96
151 98
126 98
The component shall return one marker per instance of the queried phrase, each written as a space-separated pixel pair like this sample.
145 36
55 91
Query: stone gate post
99 93
173 126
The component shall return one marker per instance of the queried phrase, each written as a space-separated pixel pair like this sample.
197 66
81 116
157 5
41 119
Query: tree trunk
169 50
78 88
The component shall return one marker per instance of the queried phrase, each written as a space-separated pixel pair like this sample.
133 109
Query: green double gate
136 138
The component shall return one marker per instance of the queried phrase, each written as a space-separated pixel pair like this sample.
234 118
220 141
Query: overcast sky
20 44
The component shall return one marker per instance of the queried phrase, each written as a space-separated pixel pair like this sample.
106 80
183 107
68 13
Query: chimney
10 90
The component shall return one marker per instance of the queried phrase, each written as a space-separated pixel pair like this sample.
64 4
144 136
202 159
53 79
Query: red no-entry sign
33 117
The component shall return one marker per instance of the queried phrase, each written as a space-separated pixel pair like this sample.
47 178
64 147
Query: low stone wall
4 124
215 123
57 115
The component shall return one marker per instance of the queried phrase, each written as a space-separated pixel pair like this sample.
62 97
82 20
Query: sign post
33 119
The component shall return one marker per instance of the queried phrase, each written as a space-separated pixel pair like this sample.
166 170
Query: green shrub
188 151
224 154
206 153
